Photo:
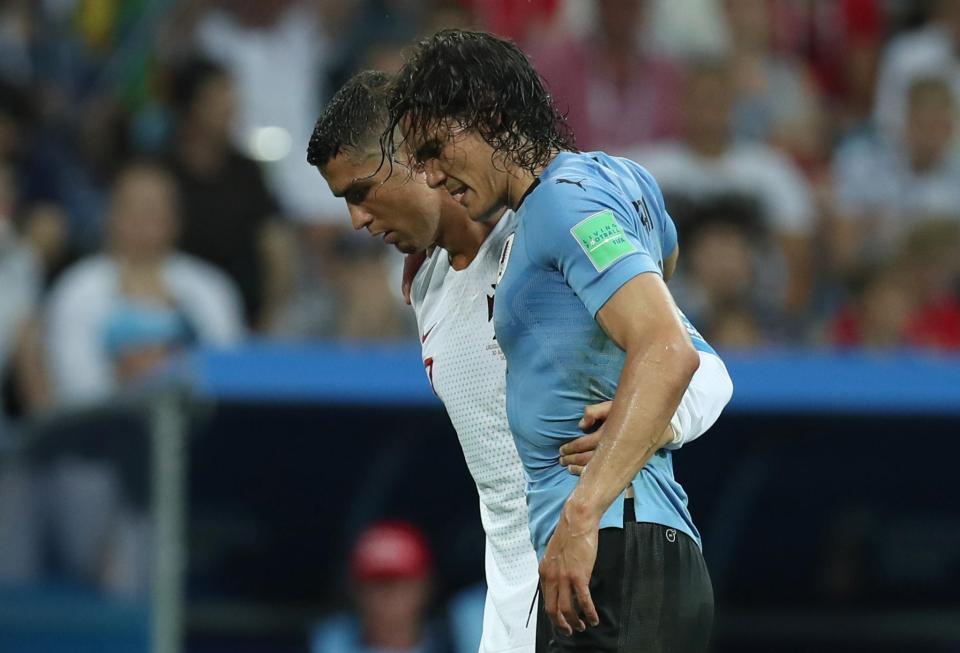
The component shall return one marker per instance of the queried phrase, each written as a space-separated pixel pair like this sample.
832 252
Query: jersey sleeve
669 240
595 238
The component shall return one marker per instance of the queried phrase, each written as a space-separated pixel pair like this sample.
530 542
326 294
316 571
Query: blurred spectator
736 327
16 31
75 162
390 570
279 54
347 289
693 28
932 51
717 283
840 42
912 300
879 310
777 100
43 242
883 186
618 94
115 316
516 21
931 262
313 311
229 216
708 163
367 281
20 277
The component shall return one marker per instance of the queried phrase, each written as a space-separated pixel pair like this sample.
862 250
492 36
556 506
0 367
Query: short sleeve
597 240
669 240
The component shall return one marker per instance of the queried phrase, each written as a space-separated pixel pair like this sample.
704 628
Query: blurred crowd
154 192
155 195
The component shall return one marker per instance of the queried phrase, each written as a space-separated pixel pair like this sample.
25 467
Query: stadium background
187 459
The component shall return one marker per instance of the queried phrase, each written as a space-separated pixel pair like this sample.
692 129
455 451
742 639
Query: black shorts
652 592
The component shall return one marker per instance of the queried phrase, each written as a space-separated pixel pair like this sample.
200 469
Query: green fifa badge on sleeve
602 238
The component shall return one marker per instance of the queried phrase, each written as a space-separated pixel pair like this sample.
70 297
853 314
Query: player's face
463 163
396 205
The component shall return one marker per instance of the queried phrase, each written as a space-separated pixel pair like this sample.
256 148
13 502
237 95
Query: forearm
651 385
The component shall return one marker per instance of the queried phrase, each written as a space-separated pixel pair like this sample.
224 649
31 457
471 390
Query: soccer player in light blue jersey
582 315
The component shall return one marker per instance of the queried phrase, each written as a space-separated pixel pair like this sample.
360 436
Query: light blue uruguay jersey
590 224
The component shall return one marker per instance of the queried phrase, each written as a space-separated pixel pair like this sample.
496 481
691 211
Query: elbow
688 362
683 361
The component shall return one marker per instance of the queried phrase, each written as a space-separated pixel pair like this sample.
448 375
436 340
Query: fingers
567 609
582 588
548 588
594 414
582 444
577 458
580 459
576 470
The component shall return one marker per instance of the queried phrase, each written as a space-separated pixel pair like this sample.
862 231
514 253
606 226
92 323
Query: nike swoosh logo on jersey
426 334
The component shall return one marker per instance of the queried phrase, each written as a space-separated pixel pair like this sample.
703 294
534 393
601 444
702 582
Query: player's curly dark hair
355 117
486 84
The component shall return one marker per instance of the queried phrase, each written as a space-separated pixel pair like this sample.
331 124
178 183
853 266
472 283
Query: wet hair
487 85
187 80
355 118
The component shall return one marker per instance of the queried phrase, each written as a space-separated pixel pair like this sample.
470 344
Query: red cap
390 549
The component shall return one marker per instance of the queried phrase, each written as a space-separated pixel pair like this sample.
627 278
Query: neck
139 262
460 236
519 181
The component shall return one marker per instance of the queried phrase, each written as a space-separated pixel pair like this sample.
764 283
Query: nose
435 176
359 217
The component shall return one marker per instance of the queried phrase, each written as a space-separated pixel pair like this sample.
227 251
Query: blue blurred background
211 386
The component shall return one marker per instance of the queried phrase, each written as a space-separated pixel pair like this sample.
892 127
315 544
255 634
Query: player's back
591 224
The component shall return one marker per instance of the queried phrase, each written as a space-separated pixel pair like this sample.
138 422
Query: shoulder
88 276
582 182
190 266
761 160
918 48
83 292
192 274
432 271
861 151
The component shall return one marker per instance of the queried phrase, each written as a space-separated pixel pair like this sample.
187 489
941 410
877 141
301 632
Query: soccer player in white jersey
452 294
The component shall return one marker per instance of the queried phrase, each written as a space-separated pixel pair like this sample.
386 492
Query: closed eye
356 195
427 151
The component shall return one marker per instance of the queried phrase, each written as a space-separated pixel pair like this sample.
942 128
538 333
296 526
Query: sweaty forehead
349 167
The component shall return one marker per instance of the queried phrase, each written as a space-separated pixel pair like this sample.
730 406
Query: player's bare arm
660 361
576 454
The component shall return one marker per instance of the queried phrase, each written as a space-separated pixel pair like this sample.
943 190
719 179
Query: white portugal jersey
468 372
